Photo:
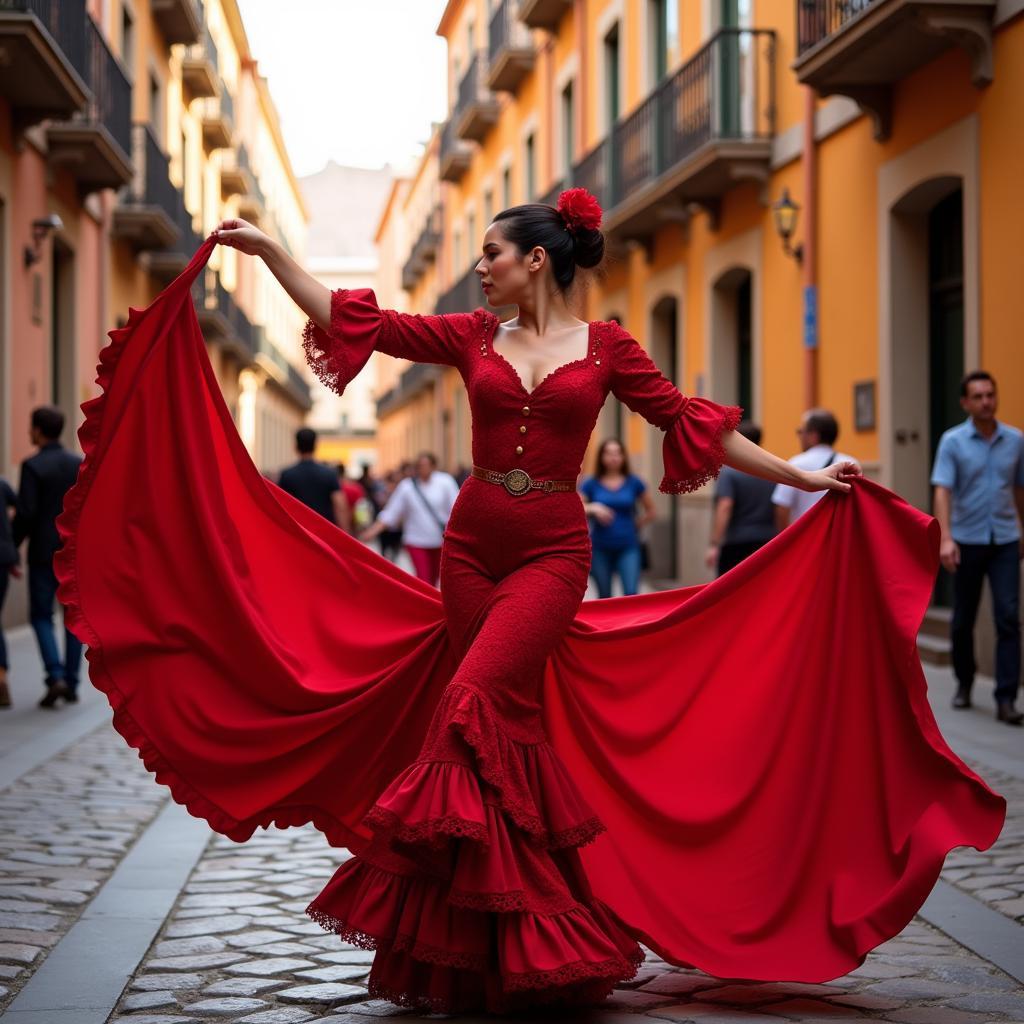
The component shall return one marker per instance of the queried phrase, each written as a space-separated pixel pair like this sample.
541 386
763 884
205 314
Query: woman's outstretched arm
741 453
312 297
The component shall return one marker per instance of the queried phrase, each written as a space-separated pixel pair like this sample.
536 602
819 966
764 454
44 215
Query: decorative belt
517 481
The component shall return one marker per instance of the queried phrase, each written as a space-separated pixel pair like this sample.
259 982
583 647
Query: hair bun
580 210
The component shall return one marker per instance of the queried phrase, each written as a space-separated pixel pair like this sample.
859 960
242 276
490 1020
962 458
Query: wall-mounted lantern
786 212
40 229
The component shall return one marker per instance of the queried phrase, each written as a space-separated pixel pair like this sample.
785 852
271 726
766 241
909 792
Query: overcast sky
356 81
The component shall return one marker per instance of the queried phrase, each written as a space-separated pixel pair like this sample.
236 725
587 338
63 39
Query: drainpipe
810 275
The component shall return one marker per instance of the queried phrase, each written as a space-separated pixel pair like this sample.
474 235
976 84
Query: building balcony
285 375
543 13
178 20
703 130
199 74
42 73
95 145
455 155
862 48
420 377
476 109
221 319
424 251
144 216
218 121
511 53
550 198
236 177
166 263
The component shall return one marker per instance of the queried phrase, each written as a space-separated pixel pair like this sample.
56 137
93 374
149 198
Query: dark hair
973 376
534 224
750 430
824 424
599 469
428 455
305 440
49 421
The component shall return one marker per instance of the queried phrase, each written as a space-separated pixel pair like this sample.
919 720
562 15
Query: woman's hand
241 235
602 513
832 478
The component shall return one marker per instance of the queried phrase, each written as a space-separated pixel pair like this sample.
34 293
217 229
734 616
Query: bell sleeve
360 327
692 451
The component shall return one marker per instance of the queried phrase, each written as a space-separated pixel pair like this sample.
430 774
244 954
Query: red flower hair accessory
579 209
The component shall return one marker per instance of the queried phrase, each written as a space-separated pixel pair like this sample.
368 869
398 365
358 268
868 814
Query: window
457 251
471 239
488 205
506 188
662 37
611 76
530 171
128 41
156 108
568 131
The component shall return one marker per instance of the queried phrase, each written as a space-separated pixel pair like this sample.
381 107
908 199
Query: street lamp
40 229
786 212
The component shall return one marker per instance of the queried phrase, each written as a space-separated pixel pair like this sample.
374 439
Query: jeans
42 591
624 561
1001 563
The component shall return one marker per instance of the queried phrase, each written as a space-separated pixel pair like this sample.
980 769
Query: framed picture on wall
864 405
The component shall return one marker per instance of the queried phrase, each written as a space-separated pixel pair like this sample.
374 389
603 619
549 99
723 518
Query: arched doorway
732 356
663 533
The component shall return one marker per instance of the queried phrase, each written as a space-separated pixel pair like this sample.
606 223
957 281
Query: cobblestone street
85 845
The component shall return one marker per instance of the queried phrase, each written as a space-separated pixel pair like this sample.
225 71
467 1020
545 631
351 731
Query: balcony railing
476 109
199 72
144 215
703 128
862 48
281 370
165 264
416 379
424 251
550 198
221 318
463 297
236 177
218 120
179 20
455 155
44 67
96 145
510 51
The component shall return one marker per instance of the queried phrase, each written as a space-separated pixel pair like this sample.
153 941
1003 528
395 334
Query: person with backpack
421 504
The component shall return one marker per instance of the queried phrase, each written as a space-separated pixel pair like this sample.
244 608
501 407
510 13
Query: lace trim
436 832
516 901
713 460
579 835
329 363
615 970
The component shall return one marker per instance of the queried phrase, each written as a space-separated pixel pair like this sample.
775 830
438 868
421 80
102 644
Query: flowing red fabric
777 797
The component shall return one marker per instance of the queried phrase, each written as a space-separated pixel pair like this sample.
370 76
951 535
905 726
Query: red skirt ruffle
472 891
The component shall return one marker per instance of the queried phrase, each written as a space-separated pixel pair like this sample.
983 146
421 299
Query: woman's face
504 272
611 457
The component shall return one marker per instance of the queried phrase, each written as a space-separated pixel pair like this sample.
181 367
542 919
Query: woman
609 499
529 787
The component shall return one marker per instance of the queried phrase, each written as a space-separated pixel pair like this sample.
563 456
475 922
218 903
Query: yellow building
895 126
128 129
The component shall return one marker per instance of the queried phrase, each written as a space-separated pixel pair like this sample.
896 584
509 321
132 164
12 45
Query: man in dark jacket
315 484
45 478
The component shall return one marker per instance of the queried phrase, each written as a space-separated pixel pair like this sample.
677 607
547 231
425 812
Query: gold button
519 449
522 430
597 362
526 410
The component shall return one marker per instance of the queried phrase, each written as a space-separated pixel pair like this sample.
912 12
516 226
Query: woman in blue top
609 499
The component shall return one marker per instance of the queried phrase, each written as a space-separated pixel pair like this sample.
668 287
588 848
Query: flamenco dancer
745 777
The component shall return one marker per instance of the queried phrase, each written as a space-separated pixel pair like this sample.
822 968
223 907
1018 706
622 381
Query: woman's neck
545 313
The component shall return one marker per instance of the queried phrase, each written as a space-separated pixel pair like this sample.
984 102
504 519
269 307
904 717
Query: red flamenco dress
744 776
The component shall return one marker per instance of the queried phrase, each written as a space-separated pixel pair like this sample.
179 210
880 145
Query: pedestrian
45 478
610 500
8 568
421 505
744 516
355 501
314 483
390 540
979 502
818 432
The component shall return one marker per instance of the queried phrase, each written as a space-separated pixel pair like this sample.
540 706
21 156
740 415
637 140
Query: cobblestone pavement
238 947
996 876
64 827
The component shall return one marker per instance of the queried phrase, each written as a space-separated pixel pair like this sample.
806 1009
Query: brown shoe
55 689
1008 714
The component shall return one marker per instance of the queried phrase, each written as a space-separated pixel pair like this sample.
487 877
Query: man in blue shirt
979 495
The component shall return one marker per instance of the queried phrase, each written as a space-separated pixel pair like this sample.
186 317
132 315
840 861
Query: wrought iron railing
152 183
111 103
450 142
473 87
65 20
506 31
206 47
726 91
550 198
424 250
465 295
816 20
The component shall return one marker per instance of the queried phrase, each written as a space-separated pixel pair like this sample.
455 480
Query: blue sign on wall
811 316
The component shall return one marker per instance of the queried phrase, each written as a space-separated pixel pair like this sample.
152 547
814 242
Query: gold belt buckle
517 481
